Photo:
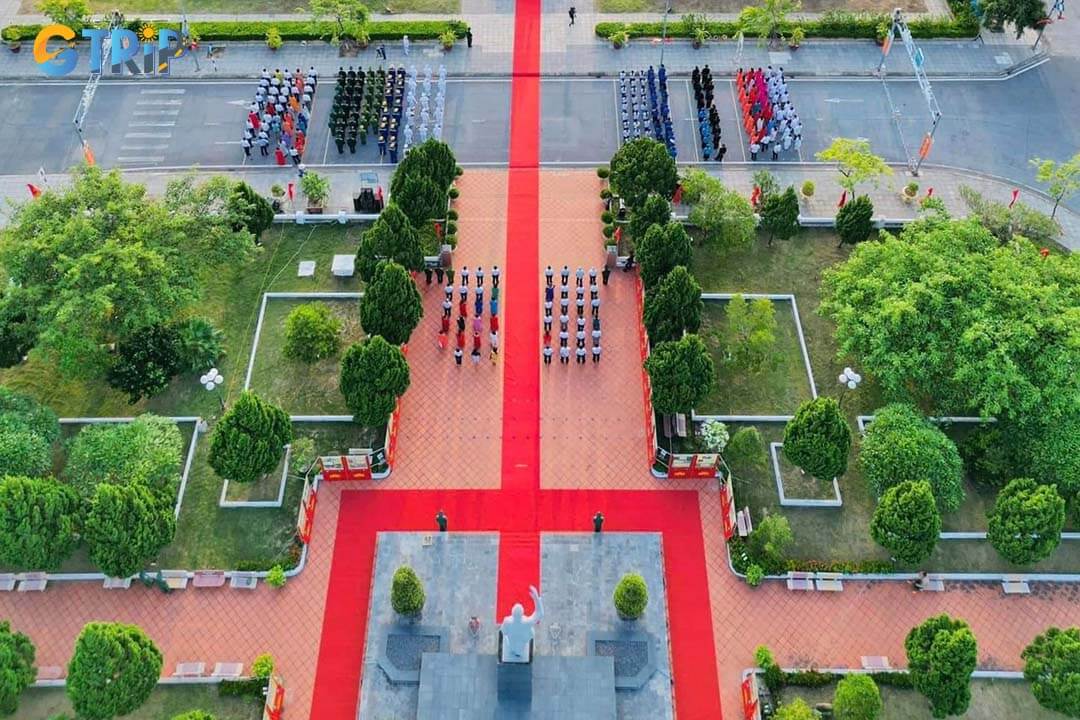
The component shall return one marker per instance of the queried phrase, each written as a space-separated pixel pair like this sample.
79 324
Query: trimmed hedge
292 29
834 24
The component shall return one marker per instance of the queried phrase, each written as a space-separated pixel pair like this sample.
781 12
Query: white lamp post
849 380
211 381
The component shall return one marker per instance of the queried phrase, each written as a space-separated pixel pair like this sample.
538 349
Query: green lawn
165 702
734 6
154 8
840 534
302 388
231 301
990 700
776 389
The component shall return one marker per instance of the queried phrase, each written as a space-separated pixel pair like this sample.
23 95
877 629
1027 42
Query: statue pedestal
514 683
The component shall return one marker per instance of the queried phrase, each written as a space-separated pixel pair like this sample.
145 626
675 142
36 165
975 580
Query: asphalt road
991 126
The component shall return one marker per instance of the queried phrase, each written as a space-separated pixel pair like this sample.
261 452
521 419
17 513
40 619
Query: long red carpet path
519 510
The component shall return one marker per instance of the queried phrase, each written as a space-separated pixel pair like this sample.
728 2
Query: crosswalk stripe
147 135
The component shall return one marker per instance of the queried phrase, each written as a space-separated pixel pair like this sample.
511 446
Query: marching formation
769 118
280 114
583 326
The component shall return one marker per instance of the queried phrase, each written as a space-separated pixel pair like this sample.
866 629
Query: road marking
155 113
179 91
842 100
740 139
159 102
227 142
141 158
152 124
132 148
147 135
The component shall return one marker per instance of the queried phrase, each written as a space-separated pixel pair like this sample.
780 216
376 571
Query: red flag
88 154
843 200
34 190
438 230
1045 252
291 192
930 192
618 234
1016 194
677 198
754 196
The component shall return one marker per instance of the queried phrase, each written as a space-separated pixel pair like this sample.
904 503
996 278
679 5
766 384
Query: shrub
746 450
248 687
453 193
39 522
273 38
768 543
855 221
818 438
754 574
808 678
631 596
901 445
607 217
249 440
941 654
447 38
18 333
312 333
603 172
1025 523
194 715
275 577
641 167
771 672
857 698
113 670
907 522
451 214
201 345
24 453
18 667
316 188
406 592
1052 666
609 231
22 412
605 193
263 666
146 451
451 228
126 526
374 374
715 435
1055 456
146 361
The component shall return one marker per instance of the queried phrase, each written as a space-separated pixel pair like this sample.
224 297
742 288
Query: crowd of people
475 326
707 116
771 122
356 106
644 110
420 111
279 115
587 316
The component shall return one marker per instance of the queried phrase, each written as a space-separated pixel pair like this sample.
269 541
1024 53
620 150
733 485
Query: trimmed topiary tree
907 522
249 210
17 671
22 412
391 304
768 543
855 221
249 440
391 237
1025 524
857 698
681 373
407 592
113 670
312 333
902 445
818 438
941 654
421 199
746 450
661 249
780 215
1052 666
797 709
125 528
641 167
656 210
374 374
147 451
673 307
40 519
1055 456
631 596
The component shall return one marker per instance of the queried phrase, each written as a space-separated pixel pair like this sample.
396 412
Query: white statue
518 629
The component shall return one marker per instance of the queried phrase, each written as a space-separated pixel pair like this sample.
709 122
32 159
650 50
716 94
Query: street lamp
849 380
663 32
211 381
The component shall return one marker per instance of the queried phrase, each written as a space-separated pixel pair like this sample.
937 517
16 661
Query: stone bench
228 670
7 582
875 662
208 579
1015 585
116 583
829 582
50 672
175 579
243 581
744 523
933 584
32 582
189 669
800 580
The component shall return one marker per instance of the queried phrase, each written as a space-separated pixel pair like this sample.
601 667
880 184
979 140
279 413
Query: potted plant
909 192
603 172
631 596
754 574
273 38
447 38
407 593
316 189
807 190
882 31
619 38
13 38
797 36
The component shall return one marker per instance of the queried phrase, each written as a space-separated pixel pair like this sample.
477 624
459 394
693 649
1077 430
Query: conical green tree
114 669
673 307
391 237
906 522
391 304
818 439
374 374
250 439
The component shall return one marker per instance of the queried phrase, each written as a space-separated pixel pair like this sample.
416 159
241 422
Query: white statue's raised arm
518 629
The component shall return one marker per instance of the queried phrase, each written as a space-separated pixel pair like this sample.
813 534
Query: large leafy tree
17 671
113 670
250 210
100 260
432 159
126 526
18 330
250 439
1062 179
818 438
642 167
1025 524
941 654
391 237
656 210
855 162
661 249
674 306
682 374
1055 455
1021 14
420 199
768 18
780 215
22 412
374 374
857 698
391 304
907 522
350 18
146 362
855 221
750 335
39 523
936 316
146 451
902 445
1052 666
725 217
